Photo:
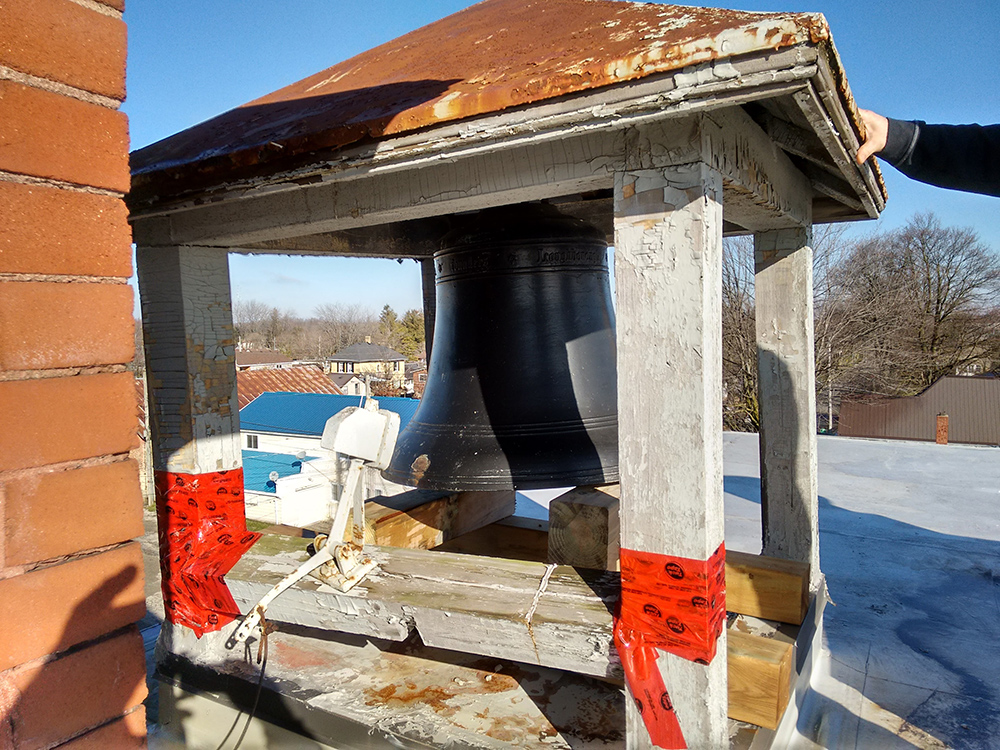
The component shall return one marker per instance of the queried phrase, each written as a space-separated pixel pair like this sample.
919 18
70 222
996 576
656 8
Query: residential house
292 424
348 383
416 379
380 362
299 379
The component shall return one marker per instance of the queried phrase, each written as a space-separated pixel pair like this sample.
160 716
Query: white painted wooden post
787 396
190 358
195 429
668 272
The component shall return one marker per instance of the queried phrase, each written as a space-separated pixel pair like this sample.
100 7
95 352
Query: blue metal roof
306 413
258 465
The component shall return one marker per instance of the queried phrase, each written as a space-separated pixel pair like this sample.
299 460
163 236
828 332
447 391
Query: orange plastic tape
673 604
201 523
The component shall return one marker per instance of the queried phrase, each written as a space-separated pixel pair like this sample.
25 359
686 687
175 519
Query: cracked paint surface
493 56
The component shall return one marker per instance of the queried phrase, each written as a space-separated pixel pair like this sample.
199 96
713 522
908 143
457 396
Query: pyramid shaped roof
492 56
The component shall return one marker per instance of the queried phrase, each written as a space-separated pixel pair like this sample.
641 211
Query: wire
266 628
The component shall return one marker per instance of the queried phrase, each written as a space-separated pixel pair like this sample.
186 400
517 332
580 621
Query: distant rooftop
244 359
365 352
307 413
341 379
258 465
305 379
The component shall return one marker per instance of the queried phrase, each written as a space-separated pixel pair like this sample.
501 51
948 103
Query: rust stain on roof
306 379
489 57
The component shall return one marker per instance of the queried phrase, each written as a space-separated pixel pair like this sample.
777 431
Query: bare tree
894 311
910 306
739 339
249 320
342 325
951 278
857 320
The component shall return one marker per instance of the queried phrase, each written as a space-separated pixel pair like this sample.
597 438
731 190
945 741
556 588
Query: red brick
35 524
54 231
51 609
63 41
89 687
128 733
46 324
48 135
64 419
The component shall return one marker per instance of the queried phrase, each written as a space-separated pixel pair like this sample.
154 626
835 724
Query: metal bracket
366 435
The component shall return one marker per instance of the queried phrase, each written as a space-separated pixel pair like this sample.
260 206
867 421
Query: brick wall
71 578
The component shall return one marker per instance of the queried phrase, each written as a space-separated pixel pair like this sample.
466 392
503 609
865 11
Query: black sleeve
961 157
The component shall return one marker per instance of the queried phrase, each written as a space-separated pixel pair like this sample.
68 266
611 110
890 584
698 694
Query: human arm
961 157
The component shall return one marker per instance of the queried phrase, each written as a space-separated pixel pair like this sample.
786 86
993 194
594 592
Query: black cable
266 628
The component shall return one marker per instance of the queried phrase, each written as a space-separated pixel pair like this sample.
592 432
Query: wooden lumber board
422 519
767 587
408 521
583 528
525 611
760 675
501 540
492 607
488 606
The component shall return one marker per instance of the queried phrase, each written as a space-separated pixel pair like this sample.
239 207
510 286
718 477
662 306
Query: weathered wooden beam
583 528
832 91
792 138
772 192
406 239
422 519
760 676
343 216
668 277
787 397
190 359
526 612
827 184
522 172
861 179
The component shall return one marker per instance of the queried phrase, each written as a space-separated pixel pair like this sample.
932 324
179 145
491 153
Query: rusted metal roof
492 56
308 379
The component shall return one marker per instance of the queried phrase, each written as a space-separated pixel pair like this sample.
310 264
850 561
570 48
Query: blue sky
188 61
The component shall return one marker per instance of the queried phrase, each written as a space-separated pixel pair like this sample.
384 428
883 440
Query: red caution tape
673 604
201 522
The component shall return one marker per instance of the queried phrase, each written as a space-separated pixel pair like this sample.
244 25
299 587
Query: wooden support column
787 396
195 429
187 326
668 261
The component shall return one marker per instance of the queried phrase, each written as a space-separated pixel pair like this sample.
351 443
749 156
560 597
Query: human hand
876 132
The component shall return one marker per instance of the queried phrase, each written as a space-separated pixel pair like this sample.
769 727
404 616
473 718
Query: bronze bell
522 386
